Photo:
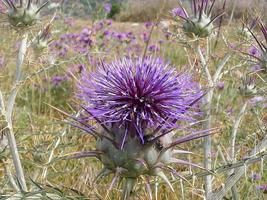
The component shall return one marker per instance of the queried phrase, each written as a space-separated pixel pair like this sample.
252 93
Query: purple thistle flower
139 94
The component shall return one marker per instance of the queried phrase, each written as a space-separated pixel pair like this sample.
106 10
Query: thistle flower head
23 14
200 23
143 94
137 103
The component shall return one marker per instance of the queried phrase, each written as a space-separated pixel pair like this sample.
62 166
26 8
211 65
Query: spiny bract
24 14
200 24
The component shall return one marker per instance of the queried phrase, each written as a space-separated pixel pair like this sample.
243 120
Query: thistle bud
24 14
198 27
248 87
42 41
200 24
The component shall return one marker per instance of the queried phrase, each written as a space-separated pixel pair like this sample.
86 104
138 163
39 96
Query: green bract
22 17
23 14
198 27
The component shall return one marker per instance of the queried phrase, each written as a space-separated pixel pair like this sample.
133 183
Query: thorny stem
232 143
208 101
207 125
234 131
9 111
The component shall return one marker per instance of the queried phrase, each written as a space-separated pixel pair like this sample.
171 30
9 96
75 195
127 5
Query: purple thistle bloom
139 94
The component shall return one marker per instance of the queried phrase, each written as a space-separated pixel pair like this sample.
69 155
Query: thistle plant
23 14
20 15
200 23
137 104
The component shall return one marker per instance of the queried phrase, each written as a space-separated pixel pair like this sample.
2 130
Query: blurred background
147 10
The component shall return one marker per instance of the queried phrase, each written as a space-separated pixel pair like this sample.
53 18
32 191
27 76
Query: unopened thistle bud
248 87
42 41
24 14
200 24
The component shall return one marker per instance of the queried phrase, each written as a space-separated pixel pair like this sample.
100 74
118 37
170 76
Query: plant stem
207 126
232 147
9 111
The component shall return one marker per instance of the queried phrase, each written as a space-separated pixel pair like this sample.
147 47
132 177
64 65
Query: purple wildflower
253 51
107 7
57 80
145 37
178 12
108 22
220 85
261 56
2 61
153 48
69 21
255 177
262 188
256 100
139 94
148 24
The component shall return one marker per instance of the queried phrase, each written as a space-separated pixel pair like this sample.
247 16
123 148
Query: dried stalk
207 126
8 114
